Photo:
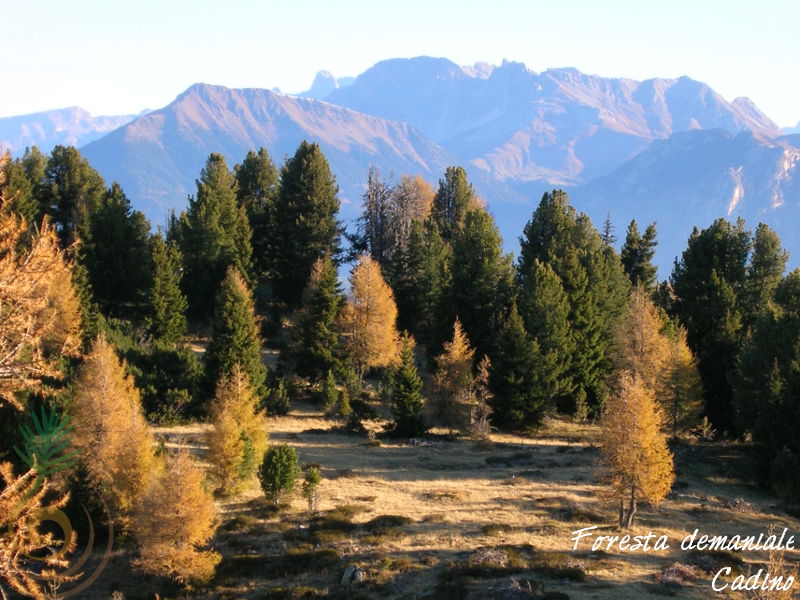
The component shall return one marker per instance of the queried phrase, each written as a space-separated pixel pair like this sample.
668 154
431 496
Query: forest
173 383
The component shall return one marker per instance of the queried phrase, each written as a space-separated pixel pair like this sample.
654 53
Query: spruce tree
213 234
520 399
317 344
117 251
545 311
596 287
257 190
420 290
482 284
608 236
235 339
306 223
166 302
71 191
637 255
454 198
708 283
407 403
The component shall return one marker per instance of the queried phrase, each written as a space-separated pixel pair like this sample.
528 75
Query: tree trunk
621 512
631 508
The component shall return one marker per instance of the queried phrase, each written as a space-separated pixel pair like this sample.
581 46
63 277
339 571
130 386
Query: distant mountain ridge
669 150
157 158
71 126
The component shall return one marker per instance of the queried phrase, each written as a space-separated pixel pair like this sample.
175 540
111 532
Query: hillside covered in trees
233 324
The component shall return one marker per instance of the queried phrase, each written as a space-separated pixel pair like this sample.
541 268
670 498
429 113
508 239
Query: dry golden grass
459 497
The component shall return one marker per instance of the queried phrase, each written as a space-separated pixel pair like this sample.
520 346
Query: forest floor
446 518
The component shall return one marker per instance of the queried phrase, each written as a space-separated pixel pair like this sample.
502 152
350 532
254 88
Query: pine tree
278 473
407 403
708 283
257 190
213 234
637 255
306 224
608 237
317 344
174 524
368 320
520 399
636 462
238 436
71 192
115 443
372 227
545 310
596 287
764 272
19 192
420 290
454 198
166 303
117 251
453 382
479 425
482 284
235 339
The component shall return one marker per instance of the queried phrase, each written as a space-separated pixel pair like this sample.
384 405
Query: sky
116 57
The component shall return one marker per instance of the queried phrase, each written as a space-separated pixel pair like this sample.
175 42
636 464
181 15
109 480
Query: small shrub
330 395
278 473
386 522
278 401
311 481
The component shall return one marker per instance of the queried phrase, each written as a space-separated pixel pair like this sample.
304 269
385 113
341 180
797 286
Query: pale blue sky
114 57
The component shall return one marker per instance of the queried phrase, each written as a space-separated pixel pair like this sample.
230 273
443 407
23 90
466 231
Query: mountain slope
560 126
68 126
156 158
695 177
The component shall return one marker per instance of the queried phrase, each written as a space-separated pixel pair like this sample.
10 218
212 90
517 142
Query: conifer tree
608 237
115 443
238 436
636 462
368 320
405 390
592 277
235 339
317 344
637 255
166 303
682 391
40 309
764 272
257 190
420 290
479 425
453 382
454 198
708 283
520 399
213 234
174 524
545 310
306 223
482 284
117 251
70 193
278 473
19 191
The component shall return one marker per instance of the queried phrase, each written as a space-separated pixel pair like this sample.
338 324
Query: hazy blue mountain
157 157
68 126
792 130
324 83
561 126
695 177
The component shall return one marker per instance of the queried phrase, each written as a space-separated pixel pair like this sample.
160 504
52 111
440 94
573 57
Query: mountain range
666 150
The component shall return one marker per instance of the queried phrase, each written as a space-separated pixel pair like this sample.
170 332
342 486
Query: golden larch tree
369 317
238 437
115 443
453 394
635 460
641 347
39 309
682 390
175 522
